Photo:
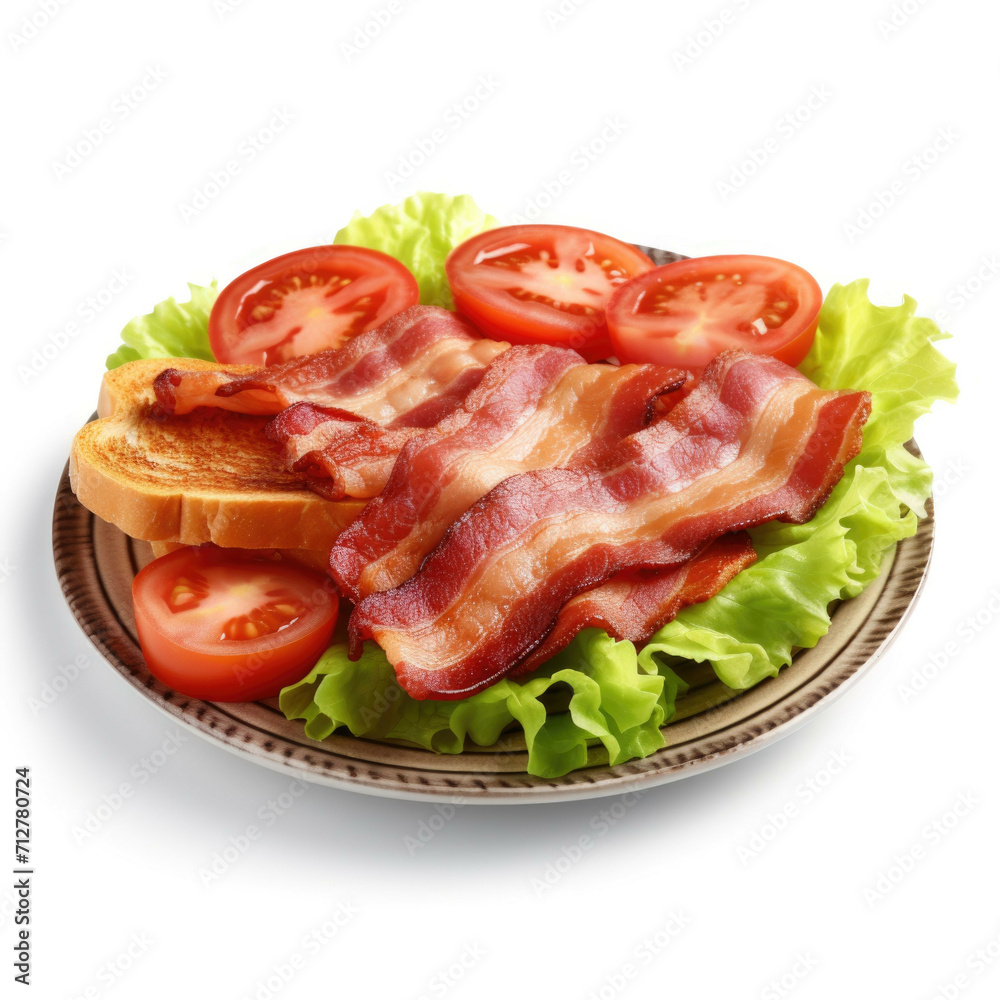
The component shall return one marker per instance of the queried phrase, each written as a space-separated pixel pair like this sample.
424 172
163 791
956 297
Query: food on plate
315 559
633 605
344 414
756 441
209 476
535 284
420 232
305 302
172 330
229 624
686 312
413 370
536 407
548 545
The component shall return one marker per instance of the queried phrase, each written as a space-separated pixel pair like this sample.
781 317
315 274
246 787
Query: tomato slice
230 624
687 312
542 284
305 302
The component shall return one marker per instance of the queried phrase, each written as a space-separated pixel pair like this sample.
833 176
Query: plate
96 562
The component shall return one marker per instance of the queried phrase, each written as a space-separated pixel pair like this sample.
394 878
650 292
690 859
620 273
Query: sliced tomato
542 284
306 302
230 624
687 312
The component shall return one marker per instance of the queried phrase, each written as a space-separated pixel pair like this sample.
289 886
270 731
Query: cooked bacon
637 603
536 407
341 454
756 440
411 371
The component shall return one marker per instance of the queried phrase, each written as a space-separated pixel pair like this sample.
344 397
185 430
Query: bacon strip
756 440
637 603
536 407
411 371
340 453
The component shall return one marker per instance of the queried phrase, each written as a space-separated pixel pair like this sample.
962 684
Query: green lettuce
749 630
420 232
612 699
172 330
889 351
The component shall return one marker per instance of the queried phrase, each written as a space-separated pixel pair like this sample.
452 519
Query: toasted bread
210 475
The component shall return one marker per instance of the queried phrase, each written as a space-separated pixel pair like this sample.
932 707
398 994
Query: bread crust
209 476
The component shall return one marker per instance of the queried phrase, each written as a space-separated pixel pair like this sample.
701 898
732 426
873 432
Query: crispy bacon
411 371
536 407
340 453
638 602
754 441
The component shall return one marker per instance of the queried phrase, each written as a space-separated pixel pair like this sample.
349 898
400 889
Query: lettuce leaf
612 699
889 351
748 631
172 330
420 232
750 628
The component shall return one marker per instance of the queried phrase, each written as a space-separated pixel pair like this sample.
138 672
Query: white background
226 69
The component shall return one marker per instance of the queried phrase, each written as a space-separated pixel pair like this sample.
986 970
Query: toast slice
208 476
